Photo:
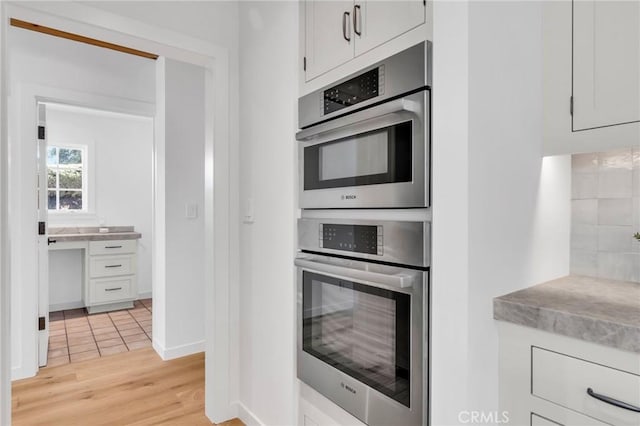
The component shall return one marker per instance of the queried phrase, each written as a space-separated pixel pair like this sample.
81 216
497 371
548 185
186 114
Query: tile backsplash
605 213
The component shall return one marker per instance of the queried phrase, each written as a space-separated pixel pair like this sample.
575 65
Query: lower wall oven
363 324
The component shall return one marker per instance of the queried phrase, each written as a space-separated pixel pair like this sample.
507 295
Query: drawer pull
113 289
612 401
112 247
112 266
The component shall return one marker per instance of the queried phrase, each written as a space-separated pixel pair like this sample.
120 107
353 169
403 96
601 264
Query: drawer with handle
603 393
107 290
112 247
110 266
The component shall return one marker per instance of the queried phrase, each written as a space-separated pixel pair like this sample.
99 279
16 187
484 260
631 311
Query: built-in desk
109 264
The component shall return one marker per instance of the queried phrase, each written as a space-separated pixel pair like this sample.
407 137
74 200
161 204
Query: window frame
87 188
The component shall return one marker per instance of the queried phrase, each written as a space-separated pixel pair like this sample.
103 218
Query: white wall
519 211
120 149
44 61
183 125
450 212
268 96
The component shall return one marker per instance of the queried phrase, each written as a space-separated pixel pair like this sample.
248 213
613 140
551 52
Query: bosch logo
347 387
348 197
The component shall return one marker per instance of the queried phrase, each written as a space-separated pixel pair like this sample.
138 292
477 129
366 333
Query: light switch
191 211
248 211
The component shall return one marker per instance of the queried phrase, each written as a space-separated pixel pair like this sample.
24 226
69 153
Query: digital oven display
351 92
354 238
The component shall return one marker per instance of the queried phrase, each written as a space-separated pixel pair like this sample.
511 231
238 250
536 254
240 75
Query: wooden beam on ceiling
82 39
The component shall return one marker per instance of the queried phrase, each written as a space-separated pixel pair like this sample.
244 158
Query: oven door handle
402 280
391 107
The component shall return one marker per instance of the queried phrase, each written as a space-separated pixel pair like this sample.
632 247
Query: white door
377 22
43 250
328 35
606 63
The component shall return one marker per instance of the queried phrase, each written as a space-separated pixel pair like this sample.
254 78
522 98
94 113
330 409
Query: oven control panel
354 238
363 87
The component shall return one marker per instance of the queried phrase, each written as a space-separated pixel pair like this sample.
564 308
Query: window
66 178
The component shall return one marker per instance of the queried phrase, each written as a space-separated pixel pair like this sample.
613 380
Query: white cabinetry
591 68
112 267
326 44
549 380
377 22
606 63
337 31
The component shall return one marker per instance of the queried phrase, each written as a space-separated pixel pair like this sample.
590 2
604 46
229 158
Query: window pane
70 178
70 200
70 156
52 200
51 178
52 155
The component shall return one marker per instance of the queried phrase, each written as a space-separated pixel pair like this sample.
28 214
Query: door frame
219 137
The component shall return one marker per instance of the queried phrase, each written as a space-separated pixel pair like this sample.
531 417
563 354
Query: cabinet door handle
345 21
112 247
611 401
113 289
112 266
357 10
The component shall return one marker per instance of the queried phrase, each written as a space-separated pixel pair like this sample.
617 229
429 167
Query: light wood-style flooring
131 388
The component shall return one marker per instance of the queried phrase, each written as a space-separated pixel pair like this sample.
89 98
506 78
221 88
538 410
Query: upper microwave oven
365 139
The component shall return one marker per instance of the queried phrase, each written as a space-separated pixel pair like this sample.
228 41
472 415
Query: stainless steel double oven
363 284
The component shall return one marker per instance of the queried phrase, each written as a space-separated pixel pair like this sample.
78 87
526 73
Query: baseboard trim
178 351
55 307
19 373
247 416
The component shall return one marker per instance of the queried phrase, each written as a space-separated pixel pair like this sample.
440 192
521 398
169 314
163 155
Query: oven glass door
378 156
361 330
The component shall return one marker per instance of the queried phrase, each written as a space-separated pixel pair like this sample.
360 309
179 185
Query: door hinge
571 105
41 323
304 63
41 228
41 134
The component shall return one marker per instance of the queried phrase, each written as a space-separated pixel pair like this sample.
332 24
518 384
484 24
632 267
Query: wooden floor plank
131 388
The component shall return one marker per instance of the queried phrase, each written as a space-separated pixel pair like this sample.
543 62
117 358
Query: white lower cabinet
547 380
112 270
585 387
536 420
111 290
566 418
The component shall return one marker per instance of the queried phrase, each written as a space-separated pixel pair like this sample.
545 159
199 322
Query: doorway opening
99 189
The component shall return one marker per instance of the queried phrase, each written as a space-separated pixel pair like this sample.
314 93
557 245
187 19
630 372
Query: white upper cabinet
329 36
591 75
337 31
376 22
606 63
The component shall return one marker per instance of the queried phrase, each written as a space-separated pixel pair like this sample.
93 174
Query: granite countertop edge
622 334
60 238
617 335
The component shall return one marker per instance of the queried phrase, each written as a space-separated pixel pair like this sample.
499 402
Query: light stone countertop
592 309
63 234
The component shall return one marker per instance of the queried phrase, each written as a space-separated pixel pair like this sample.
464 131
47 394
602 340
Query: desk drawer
111 266
112 247
564 380
107 290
